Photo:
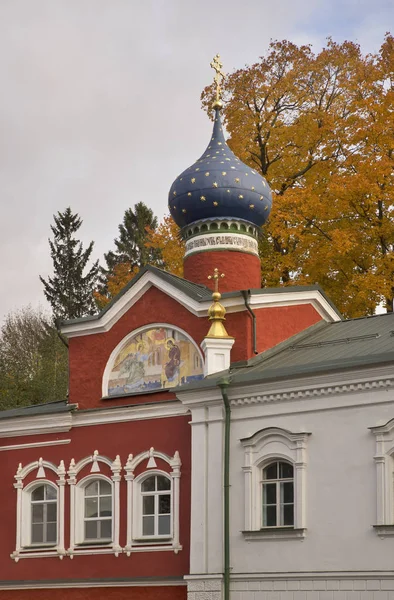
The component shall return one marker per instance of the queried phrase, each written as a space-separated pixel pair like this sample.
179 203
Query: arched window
278 495
98 511
43 515
156 506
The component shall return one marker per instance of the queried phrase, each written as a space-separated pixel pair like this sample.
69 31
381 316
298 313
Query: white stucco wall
340 547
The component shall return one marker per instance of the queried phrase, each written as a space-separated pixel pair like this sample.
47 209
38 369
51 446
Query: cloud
100 106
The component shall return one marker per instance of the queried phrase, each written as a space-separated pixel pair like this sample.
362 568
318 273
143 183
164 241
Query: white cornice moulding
34 445
199 309
18 426
89 583
129 413
23 426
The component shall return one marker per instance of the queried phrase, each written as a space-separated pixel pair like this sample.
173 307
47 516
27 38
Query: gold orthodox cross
216 275
217 65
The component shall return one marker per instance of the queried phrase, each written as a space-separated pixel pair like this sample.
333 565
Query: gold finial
216 312
217 65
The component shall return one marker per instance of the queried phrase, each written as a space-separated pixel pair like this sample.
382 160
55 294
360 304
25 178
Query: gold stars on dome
261 197
224 173
202 198
219 143
215 203
207 174
236 180
251 206
198 168
174 193
193 180
215 185
174 207
183 210
240 197
232 167
228 191
252 188
189 193
265 207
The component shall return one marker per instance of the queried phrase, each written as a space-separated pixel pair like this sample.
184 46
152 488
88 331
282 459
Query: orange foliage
166 239
116 281
320 127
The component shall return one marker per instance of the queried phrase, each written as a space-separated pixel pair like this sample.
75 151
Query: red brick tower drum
220 204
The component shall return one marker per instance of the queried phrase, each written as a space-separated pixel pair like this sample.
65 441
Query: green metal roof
59 406
324 347
198 292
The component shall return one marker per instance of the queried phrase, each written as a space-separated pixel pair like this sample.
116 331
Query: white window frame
111 473
266 446
137 507
24 547
136 542
277 481
384 465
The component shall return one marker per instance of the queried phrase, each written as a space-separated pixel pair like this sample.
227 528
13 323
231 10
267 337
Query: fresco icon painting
156 358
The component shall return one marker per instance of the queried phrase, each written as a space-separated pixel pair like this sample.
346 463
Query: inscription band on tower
222 241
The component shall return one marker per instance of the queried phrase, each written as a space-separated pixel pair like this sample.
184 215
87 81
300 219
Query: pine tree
131 252
69 290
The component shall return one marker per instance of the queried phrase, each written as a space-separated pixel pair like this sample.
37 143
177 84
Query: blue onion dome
219 185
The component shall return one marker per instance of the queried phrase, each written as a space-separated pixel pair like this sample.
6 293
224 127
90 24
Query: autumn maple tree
320 128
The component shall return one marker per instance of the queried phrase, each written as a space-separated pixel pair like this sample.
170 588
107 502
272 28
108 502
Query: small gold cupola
217 343
216 312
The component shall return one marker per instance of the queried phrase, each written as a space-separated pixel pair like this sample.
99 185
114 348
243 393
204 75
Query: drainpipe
246 294
223 384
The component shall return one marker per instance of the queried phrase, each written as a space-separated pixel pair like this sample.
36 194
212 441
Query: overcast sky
100 105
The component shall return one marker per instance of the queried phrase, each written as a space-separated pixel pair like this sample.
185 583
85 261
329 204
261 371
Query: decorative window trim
129 336
77 546
134 541
384 464
266 446
23 506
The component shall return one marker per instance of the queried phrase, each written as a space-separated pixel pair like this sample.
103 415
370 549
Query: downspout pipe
223 385
246 296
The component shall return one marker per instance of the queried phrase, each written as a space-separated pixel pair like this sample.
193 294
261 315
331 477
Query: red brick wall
242 271
166 435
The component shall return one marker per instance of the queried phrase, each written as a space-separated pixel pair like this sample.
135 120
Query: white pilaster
217 354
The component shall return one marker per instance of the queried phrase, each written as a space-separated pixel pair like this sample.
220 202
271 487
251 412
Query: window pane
148 525
91 508
106 506
148 485
105 488
51 512
50 493
269 493
271 472
285 470
164 525
91 530
51 532
163 483
286 492
37 534
148 505
37 513
269 516
92 489
164 504
38 493
106 529
288 514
